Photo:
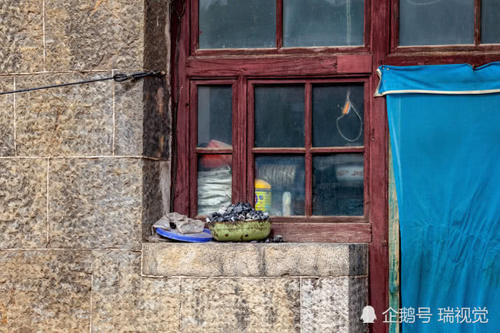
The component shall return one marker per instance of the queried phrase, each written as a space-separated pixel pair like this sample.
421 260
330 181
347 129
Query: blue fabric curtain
444 124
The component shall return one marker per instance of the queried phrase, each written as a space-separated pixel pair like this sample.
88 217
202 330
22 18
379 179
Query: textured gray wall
81 170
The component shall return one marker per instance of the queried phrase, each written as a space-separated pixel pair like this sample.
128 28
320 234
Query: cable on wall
119 77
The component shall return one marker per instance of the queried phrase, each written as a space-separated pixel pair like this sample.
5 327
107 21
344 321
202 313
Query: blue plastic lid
201 237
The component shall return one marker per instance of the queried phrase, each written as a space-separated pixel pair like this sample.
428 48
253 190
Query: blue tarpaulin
444 124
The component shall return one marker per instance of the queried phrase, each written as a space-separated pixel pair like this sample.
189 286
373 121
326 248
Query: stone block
21 36
92 35
23 202
45 291
75 120
358 299
123 301
95 203
240 305
327 259
157 119
156 41
202 260
129 117
156 193
358 259
7 147
328 305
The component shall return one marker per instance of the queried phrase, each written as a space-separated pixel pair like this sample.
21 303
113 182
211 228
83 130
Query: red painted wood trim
308 145
180 98
368 95
193 156
214 82
321 232
214 150
378 181
477 22
240 143
333 150
320 219
322 50
279 24
368 25
263 150
250 143
475 58
394 24
195 29
279 66
288 81
235 167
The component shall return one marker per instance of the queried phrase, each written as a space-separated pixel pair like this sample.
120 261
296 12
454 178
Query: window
276 25
446 22
305 143
274 96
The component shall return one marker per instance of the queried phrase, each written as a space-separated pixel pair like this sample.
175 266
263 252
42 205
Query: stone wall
85 170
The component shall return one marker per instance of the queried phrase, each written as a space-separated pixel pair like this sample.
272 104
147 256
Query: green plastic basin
240 231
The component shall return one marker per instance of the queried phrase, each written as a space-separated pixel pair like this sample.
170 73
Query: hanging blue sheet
444 124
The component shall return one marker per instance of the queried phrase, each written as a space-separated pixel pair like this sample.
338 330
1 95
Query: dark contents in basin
241 211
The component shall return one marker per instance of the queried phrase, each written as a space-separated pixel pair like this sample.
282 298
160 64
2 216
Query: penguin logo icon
368 315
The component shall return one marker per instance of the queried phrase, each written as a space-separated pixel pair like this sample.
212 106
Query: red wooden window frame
308 151
477 47
243 132
279 49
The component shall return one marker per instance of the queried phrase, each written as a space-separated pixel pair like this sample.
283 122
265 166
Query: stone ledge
254 259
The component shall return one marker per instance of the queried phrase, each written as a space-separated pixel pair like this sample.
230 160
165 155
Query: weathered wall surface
80 175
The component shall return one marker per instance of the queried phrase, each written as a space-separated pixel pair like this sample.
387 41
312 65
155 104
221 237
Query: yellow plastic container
262 195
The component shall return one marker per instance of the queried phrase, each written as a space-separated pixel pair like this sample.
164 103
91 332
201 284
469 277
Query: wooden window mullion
308 146
239 141
477 22
195 29
235 161
193 154
279 24
250 142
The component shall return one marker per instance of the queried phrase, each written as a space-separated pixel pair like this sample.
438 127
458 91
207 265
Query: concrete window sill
254 259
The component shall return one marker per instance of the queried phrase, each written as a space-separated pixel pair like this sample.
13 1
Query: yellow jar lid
262 185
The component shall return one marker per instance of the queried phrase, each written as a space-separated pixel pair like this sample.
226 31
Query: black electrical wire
119 77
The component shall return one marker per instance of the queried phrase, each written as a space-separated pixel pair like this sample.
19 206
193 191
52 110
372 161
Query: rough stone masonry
85 170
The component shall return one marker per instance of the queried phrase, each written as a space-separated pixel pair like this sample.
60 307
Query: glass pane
214 116
283 177
214 183
237 24
436 22
338 115
279 116
338 184
323 22
490 27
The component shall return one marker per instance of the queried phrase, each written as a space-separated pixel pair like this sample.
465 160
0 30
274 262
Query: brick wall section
84 171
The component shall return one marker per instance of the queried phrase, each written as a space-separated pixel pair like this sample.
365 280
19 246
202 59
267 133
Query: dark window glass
214 183
285 176
323 22
214 116
237 24
338 115
490 25
436 22
279 116
338 184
